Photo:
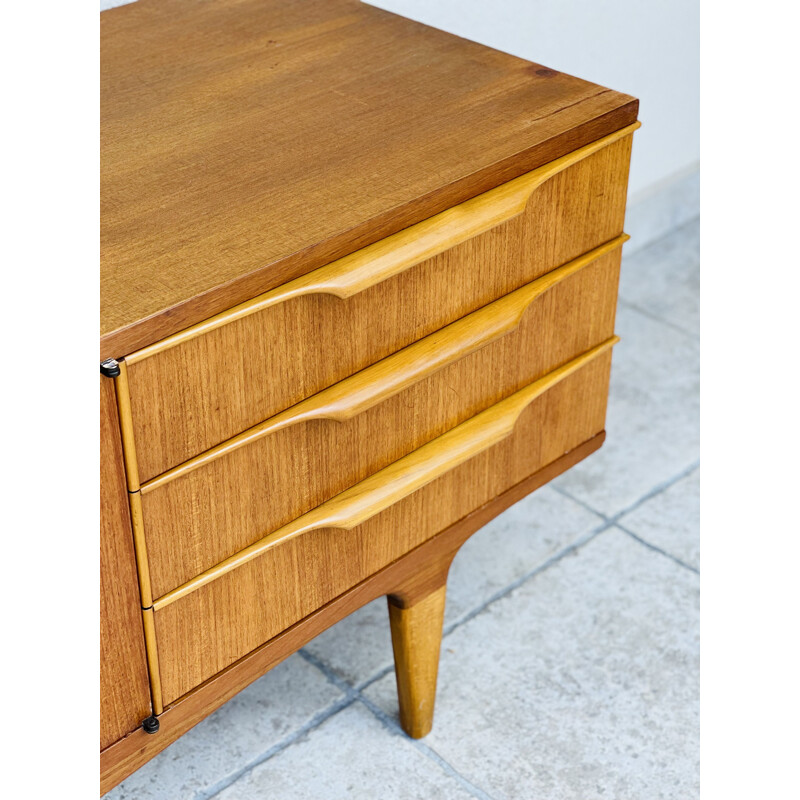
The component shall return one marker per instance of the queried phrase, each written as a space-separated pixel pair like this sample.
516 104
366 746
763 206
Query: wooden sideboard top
246 142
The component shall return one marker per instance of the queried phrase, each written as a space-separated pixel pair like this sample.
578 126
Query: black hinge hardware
109 368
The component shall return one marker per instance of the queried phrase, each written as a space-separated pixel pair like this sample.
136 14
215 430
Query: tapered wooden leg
416 637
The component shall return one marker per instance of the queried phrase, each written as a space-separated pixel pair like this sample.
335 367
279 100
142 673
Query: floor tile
662 207
359 646
247 726
579 685
518 541
512 545
351 755
663 279
671 520
652 423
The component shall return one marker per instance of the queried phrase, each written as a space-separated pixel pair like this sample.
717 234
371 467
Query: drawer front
207 625
207 510
211 382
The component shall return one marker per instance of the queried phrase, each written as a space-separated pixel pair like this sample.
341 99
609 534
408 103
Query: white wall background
647 48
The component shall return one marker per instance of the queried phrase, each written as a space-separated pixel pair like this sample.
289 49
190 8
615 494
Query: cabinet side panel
124 688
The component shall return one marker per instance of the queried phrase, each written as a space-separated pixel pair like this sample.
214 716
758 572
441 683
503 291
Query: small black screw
151 725
109 368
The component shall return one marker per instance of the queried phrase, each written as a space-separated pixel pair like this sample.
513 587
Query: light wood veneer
229 614
246 142
124 689
416 640
405 581
221 379
209 510
358 291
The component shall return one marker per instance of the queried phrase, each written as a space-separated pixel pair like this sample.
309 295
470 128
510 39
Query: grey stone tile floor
570 660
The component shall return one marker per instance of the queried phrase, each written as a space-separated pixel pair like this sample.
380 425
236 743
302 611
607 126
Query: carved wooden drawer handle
400 479
396 372
390 256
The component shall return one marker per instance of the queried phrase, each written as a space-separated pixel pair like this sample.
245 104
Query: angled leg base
416 637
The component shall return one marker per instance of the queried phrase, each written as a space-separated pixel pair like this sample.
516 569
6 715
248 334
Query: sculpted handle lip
400 479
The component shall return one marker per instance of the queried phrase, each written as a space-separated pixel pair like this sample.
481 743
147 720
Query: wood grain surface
206 514
347 182
206 631
246 142
124 689
384 379
408 579
202 392
398 480
416 639
378 262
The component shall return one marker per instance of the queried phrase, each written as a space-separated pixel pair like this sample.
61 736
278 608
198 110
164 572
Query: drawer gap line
396 372
139 541
402 478
388 257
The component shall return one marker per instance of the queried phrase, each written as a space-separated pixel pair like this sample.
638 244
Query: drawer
194 390
220 616
211 507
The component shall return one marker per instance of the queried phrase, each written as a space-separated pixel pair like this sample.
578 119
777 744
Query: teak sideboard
358 288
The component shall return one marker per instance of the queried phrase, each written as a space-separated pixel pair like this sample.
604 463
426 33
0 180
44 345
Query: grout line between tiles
656 490
354 693
339 705
582 503
655 317
607 522
375 678
649 495
499 595
388 722
336 680
391 725
657 549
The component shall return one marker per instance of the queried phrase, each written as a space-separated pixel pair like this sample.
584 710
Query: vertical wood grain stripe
140 548
126 426
400 479
382 260
151 648
139 541
134 497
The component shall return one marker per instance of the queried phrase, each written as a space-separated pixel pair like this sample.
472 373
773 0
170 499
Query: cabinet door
124 687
